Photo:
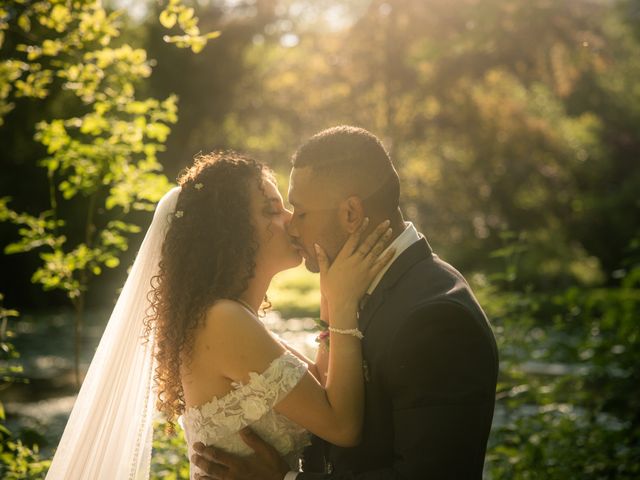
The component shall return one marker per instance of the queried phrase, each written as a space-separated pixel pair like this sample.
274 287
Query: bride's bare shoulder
225 307
220 336
236 341
227 319
217 347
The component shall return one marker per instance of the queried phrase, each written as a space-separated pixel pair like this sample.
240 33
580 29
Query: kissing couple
403 385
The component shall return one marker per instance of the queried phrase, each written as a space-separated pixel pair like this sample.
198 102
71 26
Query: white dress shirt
408 237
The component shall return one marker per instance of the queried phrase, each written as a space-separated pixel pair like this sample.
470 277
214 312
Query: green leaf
60 17
14 248
197 44
112 262
168 19
185 15
158 131
51 47
24 22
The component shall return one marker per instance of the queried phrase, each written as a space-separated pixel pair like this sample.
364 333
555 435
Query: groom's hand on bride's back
215 464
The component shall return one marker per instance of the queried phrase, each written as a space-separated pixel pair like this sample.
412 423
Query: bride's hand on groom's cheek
215 464
344 281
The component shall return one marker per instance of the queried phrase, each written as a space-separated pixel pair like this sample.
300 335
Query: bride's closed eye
274 211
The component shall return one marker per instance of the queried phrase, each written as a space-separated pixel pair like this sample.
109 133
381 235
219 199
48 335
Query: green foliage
102 163
169 456
8 352
176 13
105 159
557 441
569 387
17 460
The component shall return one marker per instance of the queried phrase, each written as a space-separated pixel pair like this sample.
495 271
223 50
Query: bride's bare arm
241 344
336 410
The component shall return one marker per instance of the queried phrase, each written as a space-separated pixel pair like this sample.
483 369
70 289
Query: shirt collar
403 241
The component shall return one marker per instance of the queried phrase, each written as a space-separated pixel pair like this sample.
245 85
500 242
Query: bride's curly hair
208 253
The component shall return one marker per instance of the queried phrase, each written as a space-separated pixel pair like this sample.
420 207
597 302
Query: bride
194 345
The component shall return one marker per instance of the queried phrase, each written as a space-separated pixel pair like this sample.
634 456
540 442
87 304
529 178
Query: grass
296 293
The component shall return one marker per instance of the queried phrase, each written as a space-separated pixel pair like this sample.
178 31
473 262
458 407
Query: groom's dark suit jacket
430 365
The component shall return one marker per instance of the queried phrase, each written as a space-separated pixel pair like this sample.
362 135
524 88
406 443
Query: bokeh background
514 125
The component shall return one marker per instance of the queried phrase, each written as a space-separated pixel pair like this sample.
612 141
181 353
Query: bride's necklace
247 306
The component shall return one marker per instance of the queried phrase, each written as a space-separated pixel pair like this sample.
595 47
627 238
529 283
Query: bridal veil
108 435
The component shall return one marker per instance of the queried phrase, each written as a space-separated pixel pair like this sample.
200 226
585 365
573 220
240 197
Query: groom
430 358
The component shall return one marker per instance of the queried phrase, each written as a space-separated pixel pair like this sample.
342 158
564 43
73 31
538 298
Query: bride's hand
346 280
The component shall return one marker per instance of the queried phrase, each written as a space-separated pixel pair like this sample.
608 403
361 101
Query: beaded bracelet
351 331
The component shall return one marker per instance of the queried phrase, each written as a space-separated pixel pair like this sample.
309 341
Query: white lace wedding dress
218 421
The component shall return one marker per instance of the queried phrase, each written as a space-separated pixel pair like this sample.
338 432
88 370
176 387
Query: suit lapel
420 250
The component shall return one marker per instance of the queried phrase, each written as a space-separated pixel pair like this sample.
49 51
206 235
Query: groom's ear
351 213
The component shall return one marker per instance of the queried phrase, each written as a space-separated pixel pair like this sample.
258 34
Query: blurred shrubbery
295 293
169 458
568 401
19 458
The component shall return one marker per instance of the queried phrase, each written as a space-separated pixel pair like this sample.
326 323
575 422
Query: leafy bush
169 457
18 459
569 389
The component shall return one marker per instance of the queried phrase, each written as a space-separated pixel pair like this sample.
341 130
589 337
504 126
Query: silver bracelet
351 331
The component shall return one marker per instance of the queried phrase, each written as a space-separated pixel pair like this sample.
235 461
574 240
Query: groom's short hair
353 159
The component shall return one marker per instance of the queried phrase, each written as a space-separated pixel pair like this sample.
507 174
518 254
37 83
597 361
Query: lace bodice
218 421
